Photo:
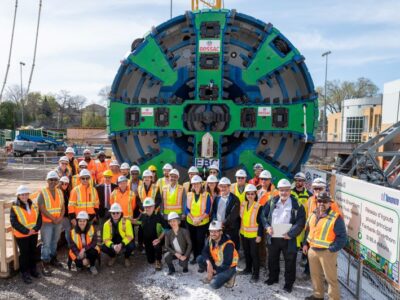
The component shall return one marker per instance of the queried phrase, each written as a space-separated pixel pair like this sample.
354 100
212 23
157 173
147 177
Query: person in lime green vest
161 182
173 196
238 188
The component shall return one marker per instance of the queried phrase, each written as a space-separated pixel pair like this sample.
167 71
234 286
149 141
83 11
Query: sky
81 42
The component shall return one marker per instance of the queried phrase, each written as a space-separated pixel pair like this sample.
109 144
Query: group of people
209 222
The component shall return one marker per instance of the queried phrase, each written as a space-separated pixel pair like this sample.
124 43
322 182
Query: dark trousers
198 237
92 255
251 254
220 278
153 253
234 235
169 258
140 236
27 251
277 246
127 250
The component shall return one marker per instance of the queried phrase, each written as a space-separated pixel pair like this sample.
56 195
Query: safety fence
28 168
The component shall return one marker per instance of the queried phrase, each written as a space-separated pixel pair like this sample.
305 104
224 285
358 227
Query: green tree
8 110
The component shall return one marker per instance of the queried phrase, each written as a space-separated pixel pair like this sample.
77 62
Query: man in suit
104 191
226 209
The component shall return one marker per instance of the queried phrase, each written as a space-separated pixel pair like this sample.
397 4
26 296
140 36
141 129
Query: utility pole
21 64
324 129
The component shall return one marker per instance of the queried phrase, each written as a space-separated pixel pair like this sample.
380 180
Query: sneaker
46 271
288 288
270 281
35 274
231 282
93 270
111 262
54 262
193 261
185 270
254 278
127 262
26 278
158 265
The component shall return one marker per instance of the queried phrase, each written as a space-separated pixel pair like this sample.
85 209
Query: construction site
205 90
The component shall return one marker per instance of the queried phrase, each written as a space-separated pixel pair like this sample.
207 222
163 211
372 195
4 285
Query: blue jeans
50 234
66 225
218 279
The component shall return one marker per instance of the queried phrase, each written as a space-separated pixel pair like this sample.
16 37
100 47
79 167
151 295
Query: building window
355 126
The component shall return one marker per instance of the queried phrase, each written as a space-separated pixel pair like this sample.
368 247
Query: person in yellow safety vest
164 180
26 220
213 170
173 196
153 170
212 187
102 165
267 189
83 198
325 236
75 180
219 258
135 181
187 185
115 169
72 162
91 164
125 170
62 169
117 236
51 205
238 188
126 198
198 209
251 231
83 248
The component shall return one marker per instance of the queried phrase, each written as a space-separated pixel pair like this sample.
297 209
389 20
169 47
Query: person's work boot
185 270
158 265
35 273
93 270
54 262
245 272
231 282
127 262
312 297
288 288
111 262
171 270
193 261
270 281
26 278
46 271
254 278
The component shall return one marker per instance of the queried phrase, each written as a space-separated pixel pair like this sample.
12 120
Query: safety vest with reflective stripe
311 205
301 197
321 233
124 228
76 165
100 168
151 193
25 218
76 180
249 225
265 196
217 253
197 208
235 190
127 200
92 168
140 182
53 206
172 202
161 183
83 198
77 239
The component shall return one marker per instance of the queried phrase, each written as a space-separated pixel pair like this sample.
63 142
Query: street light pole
21 63
170 10
324 129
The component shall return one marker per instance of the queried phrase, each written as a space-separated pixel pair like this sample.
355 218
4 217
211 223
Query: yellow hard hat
152 168
108 173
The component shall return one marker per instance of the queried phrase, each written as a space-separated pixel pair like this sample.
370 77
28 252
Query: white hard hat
215 225
319 182
115 207
196 179
148 202
82 215
135 168
122 179
64 179
265 174
284 183
83 163
174 172
114 163
70 150
212 179
258 166
52 175
300 175
240 173
124 166
147 173
193 170
225 180
22 189
167 167
173 215
213 167
64 159
250 188
87 151
84 173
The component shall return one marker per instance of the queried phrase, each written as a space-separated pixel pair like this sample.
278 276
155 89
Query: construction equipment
213 86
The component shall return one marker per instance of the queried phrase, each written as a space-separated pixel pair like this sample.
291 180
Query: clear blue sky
82 41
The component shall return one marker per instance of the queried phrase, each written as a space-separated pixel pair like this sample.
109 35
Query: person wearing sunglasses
213 170
251 231
134 181
125 170
51 205
257 168
325 236
161 182
173 197
91 164
238 188
281 211
266 189
125 198
62 169
76 179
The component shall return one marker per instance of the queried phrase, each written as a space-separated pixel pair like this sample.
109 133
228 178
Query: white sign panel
202 162
147 111
209 46
264 111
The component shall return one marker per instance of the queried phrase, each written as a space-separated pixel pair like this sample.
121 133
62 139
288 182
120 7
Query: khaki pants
323 263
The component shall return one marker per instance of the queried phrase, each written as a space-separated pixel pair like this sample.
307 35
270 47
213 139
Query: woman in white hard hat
178 244
212 187
198 209
251 231
83 249
26 220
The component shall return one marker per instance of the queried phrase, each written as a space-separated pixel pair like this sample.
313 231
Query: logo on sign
385 197
206 162
264 111
147 111
209 46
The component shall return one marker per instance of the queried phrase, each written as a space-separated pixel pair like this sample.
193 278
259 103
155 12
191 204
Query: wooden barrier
8 246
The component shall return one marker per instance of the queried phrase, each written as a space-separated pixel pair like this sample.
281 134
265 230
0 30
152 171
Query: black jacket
17 225
93 243
227 254
232 212
100 192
